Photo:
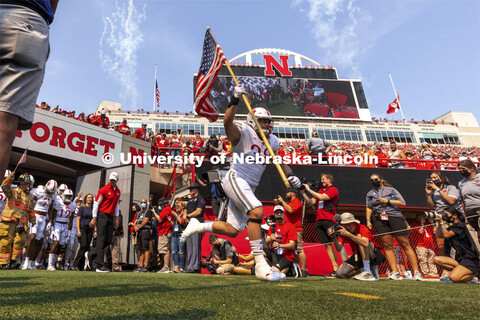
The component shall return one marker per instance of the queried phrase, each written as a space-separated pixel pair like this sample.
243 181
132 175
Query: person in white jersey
239 184
44 197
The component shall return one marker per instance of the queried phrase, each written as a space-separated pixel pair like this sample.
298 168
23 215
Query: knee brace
259 221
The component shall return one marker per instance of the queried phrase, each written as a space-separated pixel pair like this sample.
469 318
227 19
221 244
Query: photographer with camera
470 197
466 264
293 214
224 257
383 210
365 255
440 196
282 240
327 199
212 146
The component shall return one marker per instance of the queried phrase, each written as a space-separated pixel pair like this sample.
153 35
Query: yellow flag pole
262 135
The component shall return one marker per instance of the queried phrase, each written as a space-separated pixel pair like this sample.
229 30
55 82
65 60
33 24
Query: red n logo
270 62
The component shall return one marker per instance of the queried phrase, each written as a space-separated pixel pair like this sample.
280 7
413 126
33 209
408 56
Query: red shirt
109 200
197 145
165 227
101 123
295 218
425 239
140 134
161 143
364 233
123 129
332 192
284 234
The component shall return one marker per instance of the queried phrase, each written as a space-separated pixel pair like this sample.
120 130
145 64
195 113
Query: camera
433 215
337 226
207 264
312 183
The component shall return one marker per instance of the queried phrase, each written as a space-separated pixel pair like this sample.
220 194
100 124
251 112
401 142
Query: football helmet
261 113
67 196
62 188
51 187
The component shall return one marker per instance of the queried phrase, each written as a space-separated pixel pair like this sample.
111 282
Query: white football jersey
3 200
64 211
251 144
43 200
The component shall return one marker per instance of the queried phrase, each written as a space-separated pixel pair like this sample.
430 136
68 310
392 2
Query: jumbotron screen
293 97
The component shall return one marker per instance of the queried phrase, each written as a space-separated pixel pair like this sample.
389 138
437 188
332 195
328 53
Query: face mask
464 172
376 183
143 205
437 182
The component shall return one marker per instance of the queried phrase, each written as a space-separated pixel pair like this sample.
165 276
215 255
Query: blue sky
102 49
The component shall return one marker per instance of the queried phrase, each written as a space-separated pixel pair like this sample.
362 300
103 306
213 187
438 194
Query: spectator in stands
81 117
282 241
293 214
101 120
426 153
162 143
466 263
395 153
382 204
316 145
141 133
212 146
143 230
124 128
223 254
165 219
326 201
470 197
178 248
198 143
361 242
85 232
175 144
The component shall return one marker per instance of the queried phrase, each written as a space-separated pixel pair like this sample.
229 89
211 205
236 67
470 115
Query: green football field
128 295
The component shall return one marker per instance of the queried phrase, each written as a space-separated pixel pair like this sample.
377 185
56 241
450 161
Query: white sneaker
265 272
26 264
32 265
193 227
395 276
474 280
365 276
417 275
51 268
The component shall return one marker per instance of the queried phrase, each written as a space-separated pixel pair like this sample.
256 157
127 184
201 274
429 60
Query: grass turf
128 295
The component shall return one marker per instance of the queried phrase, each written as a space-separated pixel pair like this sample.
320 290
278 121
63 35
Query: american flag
157 94
23 159
212 62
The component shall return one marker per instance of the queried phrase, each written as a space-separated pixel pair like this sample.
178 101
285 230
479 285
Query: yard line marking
286 285
359 295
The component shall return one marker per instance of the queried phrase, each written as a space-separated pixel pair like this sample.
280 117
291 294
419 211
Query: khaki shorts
227 268
299 241
165 243
24 51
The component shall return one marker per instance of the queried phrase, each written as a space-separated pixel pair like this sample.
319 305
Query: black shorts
470 264
143 240
278 261
357 263
322 227
392 224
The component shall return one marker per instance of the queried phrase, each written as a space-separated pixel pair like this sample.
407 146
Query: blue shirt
42 7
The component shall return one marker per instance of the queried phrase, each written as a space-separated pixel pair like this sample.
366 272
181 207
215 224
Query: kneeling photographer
223 257
365 256
466 264
282 240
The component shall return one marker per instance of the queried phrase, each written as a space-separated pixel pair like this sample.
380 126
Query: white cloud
345 32
119 43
